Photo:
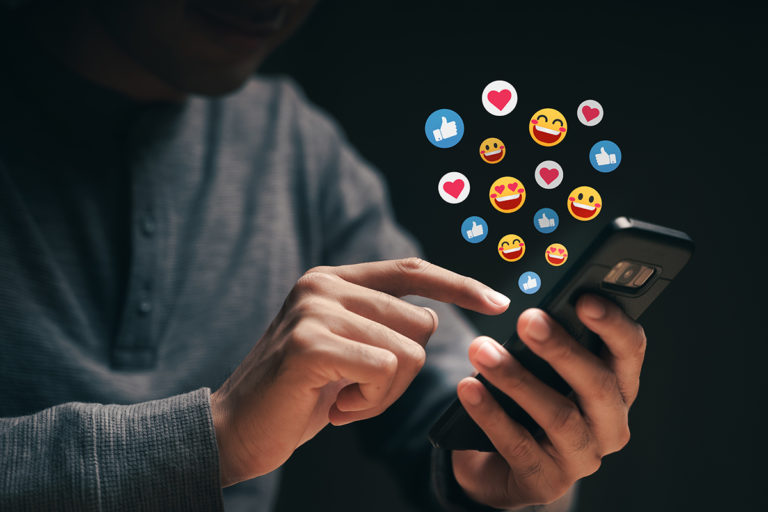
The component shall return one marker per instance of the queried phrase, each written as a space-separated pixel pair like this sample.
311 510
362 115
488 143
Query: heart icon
589 112
512 186
453 188
499 99
561 251
549 175
499 188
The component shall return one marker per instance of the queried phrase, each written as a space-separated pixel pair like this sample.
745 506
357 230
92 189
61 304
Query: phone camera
629 275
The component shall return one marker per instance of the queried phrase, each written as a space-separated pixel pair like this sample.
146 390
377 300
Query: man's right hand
343 348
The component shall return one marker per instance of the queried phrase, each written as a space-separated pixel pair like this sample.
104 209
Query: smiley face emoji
511 248
584 203
548 127
556 254
492 150
507 194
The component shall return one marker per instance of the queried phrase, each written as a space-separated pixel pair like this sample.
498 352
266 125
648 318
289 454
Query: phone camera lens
628 274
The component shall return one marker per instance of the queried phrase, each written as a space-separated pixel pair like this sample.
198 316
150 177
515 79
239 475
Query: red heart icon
499 99
589 112
499 188
561 251
552 249
512 187
453 188
549 175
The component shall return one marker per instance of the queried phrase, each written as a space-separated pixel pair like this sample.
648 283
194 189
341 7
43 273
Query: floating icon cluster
547 127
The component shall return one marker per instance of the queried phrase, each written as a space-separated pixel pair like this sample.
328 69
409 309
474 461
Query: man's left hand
579 430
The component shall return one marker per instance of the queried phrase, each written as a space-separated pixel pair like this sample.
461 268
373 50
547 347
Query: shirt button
144 307
148 225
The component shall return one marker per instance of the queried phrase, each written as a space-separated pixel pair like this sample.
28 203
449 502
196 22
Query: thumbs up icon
544 222
531 283
477 230
603 158
446 130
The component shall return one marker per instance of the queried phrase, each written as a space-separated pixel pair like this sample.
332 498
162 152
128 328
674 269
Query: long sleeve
157 455
358 225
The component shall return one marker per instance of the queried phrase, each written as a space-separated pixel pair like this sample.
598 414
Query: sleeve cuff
158 455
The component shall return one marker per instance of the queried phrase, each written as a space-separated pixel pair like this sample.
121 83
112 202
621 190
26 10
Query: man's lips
583 210
508 202
257 22
545 134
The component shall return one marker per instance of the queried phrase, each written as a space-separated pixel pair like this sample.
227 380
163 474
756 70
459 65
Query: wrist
220 421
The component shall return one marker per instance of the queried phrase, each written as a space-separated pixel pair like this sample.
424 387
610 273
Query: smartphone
630 262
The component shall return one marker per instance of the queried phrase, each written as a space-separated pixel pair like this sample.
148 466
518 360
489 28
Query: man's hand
579 431
342 348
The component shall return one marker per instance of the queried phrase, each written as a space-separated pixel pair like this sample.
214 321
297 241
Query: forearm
153 455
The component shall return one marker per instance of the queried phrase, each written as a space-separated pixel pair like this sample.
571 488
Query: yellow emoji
584 203
548 127
556 255
511 248
492 150
507 194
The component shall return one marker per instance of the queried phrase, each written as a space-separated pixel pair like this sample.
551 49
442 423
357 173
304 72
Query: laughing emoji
492 151
548 127
584 203
507 194
556 254
511 248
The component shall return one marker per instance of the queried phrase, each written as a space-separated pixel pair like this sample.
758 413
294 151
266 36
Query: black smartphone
630 262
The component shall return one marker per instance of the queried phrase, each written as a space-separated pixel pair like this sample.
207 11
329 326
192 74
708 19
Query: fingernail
593 307
471 395
487 355
497 298
538 328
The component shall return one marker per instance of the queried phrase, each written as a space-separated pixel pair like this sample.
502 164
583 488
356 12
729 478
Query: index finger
415 276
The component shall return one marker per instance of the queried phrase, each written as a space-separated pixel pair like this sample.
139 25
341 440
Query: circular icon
474 229
444 128
453 187
605 156
590 112
511 248
507 194
548 174
584 203
546 220
492 150
548 127
529 282
556 255
499 98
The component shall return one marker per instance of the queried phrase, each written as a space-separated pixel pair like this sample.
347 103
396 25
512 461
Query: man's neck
83 45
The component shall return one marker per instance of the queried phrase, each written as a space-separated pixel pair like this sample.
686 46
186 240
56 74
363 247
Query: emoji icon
492 150
453 187
529 282
499 98
605 156
548 174
548 127
546 220
556 255
589 112
444 128
474 229
507 194
511 248
584 203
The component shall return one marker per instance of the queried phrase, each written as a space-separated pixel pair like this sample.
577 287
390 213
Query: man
155 242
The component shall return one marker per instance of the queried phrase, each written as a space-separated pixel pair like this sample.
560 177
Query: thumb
602 149
445 121
474 224
544 216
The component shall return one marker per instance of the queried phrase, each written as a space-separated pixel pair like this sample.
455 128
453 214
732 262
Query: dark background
683 94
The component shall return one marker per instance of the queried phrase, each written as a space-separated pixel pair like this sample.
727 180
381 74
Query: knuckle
606 387
417 356
515 376
303 338
387 364
642 341
412 265
315 281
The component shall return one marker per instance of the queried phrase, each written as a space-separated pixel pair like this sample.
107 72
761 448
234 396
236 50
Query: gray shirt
143 251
